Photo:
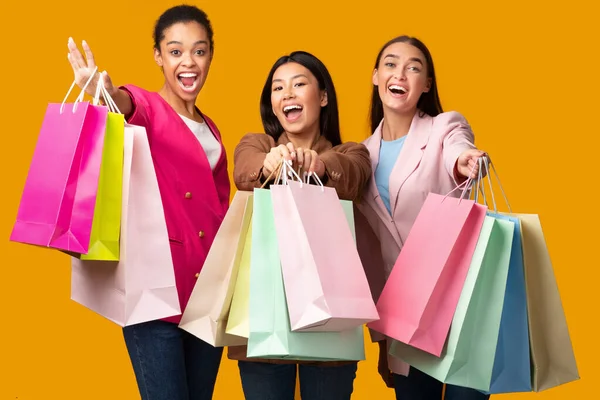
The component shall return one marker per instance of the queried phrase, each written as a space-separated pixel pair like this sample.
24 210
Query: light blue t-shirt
388 154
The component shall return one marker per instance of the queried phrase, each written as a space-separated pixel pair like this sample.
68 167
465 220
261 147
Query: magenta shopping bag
326 286
59 196
420 296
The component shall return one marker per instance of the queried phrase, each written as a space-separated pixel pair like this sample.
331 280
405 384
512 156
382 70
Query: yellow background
524 75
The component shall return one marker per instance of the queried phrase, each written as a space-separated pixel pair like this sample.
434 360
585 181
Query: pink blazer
425 164
195 198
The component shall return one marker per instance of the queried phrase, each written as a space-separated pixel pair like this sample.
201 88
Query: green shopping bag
468 356
270 334
106 225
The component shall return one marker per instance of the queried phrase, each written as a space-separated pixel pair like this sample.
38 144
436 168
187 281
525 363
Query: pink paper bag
140 287
59 196
418 301
325 283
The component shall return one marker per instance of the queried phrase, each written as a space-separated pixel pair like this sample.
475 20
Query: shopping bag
239 317
325 283
106 224
270 334
140 287
420 296
553 360
468 356
59 196
512 371
207 311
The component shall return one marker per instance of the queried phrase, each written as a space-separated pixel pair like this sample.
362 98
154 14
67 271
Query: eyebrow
195 44
293 77
415 59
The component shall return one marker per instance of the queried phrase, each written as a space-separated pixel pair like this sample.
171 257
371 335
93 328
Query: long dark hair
329 121
429 103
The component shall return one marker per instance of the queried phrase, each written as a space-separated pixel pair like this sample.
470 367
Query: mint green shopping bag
270 334
468 356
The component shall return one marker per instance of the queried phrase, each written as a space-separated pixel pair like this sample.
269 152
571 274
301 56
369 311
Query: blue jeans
170 363
420 386
265 381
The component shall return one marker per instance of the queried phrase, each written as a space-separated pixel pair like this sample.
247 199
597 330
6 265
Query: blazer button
201 234
188 195
197 275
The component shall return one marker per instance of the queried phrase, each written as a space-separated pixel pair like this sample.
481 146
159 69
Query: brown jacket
347 168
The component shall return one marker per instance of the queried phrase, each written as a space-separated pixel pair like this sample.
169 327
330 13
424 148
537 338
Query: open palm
83 68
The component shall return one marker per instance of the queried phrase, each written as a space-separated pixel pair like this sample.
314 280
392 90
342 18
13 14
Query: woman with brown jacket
300 116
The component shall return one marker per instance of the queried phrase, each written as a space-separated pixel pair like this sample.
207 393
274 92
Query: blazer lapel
373 199
410 156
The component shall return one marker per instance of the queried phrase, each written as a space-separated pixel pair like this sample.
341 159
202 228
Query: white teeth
188 75
292 107
397 88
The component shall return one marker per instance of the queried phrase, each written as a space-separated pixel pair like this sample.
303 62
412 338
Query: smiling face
296 99
185 57
401 77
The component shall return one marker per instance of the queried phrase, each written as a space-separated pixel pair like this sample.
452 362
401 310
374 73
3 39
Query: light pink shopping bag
325 283
59 196
140 287
420 296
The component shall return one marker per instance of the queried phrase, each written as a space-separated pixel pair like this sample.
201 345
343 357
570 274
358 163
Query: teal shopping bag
468 356
270 334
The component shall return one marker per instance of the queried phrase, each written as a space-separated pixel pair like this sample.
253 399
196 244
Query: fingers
88 55
76 54
300 157
313 161
291 149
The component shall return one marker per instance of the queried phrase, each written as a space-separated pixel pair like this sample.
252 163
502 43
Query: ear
375 80
158 58
323 98
428 87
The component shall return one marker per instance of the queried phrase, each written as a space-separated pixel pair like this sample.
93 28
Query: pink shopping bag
418 301
325 283
58 200
140 287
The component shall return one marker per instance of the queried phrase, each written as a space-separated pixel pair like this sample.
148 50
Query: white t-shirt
207 140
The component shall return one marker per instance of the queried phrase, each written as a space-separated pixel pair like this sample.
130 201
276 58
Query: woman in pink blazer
191 169
415 148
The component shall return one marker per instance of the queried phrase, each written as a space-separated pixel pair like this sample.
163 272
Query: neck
396 125
305 140
182 107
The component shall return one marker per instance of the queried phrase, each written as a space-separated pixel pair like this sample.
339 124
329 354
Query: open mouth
188 81
397 90
292 112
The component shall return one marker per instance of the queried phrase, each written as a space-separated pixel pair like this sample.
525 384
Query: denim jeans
420 386
171 364
265 381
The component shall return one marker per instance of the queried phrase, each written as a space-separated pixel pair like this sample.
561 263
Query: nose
187 60
400 75
288 94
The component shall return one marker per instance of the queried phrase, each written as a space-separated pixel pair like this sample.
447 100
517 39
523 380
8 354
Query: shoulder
350 147
449 119
260 140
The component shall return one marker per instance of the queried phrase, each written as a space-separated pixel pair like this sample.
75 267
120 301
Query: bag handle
466 184
487 162
80 97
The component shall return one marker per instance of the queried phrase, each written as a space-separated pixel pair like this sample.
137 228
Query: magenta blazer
195 198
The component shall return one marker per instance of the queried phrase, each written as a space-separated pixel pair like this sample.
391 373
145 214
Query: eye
300 84
175 52
200 52
276 88
414 69
389 64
